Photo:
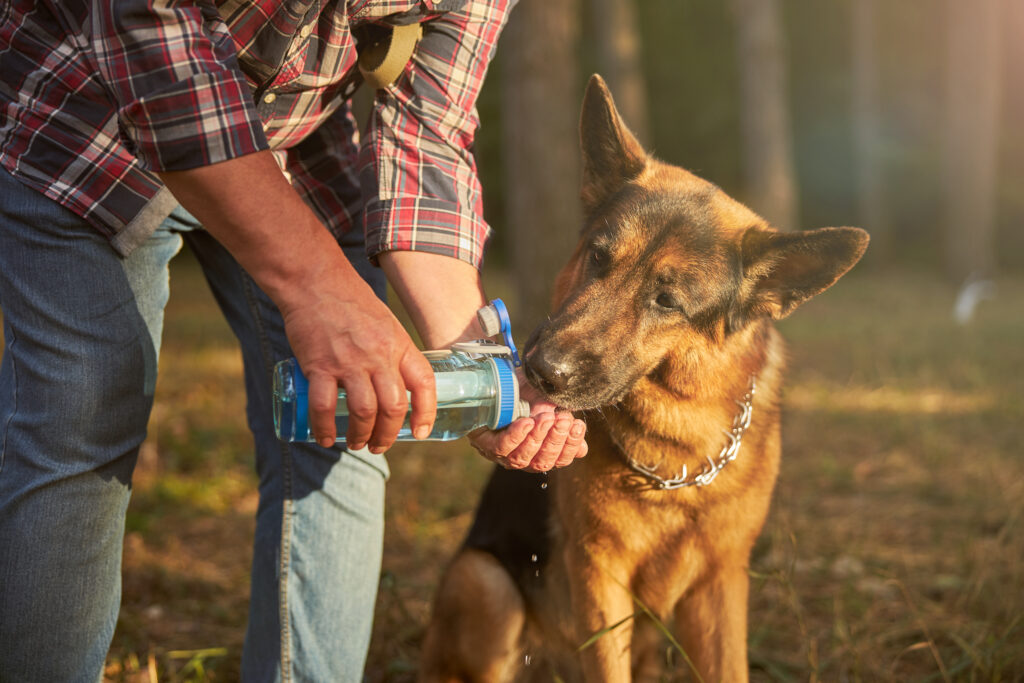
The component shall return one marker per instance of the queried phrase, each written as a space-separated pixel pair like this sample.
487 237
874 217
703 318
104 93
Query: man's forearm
441 294
249 206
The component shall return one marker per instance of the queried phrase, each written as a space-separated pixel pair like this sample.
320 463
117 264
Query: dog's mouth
540 383
572 385
576 402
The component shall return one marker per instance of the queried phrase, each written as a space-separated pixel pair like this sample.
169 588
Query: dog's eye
598 258
665 300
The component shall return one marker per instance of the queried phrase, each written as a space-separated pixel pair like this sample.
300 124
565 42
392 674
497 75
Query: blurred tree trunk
867 127
972 122
769 170
617 40
541 147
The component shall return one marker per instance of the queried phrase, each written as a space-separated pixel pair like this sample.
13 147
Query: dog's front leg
598 603
712 623
475 629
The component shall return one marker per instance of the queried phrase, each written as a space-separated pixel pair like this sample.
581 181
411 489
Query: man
129 126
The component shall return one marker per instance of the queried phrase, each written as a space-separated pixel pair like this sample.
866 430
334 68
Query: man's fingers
323 400
495 446
553 444
575 445
362 411
392 405
524 453
419 380
376 406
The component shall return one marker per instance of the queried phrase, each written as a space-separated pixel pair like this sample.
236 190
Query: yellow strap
385 60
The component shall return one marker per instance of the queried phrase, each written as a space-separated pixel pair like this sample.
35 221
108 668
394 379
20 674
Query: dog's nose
549 376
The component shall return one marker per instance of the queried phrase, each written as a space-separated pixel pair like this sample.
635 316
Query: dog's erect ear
781 270
611 154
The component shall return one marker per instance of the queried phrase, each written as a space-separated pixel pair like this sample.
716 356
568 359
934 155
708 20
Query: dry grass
893 551
898 529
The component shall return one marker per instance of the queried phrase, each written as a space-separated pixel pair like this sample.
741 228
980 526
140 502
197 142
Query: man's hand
372 357
549 438
340 332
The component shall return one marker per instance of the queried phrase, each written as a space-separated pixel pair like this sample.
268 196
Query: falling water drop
533 558
544 485
526 660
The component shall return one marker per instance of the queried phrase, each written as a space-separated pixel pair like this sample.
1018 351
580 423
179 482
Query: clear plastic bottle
476 387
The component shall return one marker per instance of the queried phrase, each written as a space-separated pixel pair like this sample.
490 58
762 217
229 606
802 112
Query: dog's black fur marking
511 522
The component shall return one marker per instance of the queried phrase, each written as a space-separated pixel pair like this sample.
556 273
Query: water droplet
537 573
544 485
526 660
533 558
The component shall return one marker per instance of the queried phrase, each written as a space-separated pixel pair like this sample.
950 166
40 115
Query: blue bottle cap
508 392
504 327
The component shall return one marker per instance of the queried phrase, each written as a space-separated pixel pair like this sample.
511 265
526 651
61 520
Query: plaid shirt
99 95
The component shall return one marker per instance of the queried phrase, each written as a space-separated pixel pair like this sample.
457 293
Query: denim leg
76 386
319 534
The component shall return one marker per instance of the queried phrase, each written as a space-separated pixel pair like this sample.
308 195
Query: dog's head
667 264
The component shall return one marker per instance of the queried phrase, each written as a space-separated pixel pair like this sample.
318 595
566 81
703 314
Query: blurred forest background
899 117
894 547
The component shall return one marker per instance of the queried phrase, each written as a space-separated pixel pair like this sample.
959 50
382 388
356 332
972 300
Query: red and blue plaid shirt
96 96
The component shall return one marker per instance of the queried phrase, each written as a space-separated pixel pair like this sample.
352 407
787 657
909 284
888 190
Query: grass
892 553
898 528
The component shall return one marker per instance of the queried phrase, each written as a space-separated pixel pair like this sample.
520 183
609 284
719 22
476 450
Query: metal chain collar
708 473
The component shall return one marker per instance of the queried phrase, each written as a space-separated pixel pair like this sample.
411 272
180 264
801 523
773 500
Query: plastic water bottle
475 381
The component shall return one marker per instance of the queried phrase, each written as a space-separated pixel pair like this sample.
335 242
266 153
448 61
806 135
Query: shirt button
306 30
269 98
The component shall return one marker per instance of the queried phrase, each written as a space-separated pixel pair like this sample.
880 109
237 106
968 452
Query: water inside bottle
454 419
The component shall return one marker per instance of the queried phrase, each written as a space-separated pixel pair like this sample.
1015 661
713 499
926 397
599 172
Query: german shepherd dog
662 336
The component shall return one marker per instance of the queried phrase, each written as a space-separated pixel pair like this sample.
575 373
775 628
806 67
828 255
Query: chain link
729 451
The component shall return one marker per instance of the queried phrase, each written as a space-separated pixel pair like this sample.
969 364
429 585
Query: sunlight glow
853 399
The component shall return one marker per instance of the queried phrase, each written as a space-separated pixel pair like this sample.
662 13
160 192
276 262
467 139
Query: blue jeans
82 330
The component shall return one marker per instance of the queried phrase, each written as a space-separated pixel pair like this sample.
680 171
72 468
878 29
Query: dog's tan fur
662 317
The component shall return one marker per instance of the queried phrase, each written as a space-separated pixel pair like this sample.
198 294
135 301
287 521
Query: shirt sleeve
182 101
417 171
